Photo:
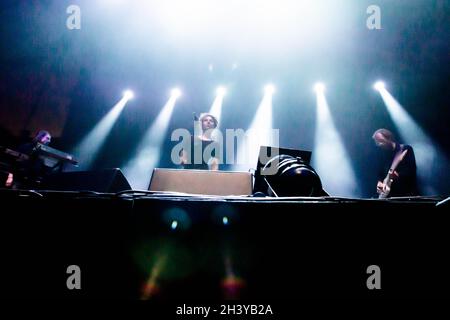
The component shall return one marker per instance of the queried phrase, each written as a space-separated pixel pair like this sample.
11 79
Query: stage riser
279 250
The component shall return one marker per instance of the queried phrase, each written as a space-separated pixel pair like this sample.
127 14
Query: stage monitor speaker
203 182
107 180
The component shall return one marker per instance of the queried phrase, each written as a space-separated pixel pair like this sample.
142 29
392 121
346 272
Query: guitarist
398 177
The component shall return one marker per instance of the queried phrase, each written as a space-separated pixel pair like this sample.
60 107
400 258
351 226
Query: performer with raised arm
202 140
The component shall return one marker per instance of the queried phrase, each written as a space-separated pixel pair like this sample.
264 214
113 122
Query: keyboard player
33 169
43 137
32 162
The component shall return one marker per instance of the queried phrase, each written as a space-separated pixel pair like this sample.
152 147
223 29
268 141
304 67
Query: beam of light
139 169
331 160
260 133
87 150
216 108
151 287
431 161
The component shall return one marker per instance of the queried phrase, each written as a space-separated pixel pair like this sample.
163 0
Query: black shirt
33 168
406 182
198 145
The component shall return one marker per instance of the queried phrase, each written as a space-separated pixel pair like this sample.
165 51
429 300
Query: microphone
195 116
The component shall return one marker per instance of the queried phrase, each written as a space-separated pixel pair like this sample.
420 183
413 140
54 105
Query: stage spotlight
319 87
269 89
174 225
221 91
294 177
128 94
176 93
379 85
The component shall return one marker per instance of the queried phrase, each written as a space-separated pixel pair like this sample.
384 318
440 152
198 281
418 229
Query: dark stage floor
164 246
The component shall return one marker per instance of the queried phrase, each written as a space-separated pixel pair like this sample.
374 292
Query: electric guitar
385 188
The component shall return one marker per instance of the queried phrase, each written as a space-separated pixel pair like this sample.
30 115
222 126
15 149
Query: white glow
128 94
86 151
221 91
379 85
253 25
111 4
175 92
269 89
330 158
319 88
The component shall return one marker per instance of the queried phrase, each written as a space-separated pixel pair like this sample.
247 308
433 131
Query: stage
147 245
